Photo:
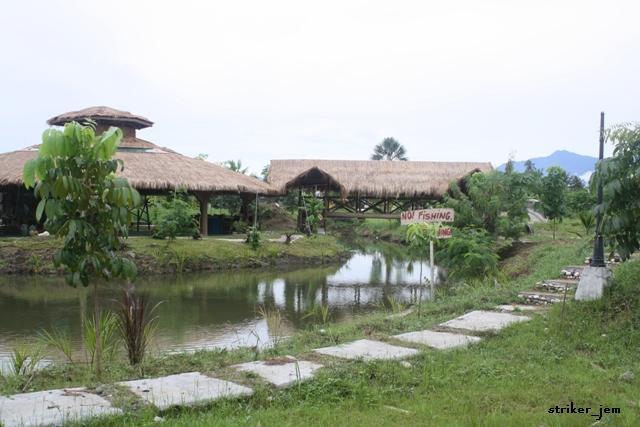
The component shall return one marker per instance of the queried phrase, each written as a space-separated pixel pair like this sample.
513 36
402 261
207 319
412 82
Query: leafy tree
389 149
176 216
314 208
575 183
509 168
532 180
418 236
236 166
265 173
493 201
620 175
579 201
85 204
529 166
554 191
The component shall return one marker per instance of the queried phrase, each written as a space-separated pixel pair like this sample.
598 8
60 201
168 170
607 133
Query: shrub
175 216
254 237
239 226
469 255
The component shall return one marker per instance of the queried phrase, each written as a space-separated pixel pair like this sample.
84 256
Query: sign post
430 216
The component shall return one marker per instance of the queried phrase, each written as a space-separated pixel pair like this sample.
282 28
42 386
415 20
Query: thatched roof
151 168
374 178
105 115
147 166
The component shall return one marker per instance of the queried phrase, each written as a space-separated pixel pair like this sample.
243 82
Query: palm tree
389 149
236 166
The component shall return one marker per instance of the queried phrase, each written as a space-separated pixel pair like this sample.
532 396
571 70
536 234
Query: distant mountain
574 164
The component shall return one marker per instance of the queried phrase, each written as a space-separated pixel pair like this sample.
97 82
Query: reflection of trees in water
376 269
205 302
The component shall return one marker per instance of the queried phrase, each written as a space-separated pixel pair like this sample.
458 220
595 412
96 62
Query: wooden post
244 209
431 267
300 221
326 208
203 199
146 205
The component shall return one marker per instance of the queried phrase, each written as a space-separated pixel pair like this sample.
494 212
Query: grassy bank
34 255
578 355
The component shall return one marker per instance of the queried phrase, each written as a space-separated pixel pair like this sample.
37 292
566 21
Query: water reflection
216 310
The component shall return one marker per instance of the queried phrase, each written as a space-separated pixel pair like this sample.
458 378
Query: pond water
215 310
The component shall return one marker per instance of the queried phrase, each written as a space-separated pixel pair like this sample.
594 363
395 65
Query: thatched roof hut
148 167
103 115
372 178
153 169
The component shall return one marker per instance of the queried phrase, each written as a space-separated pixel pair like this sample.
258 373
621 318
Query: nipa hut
371 188
149 168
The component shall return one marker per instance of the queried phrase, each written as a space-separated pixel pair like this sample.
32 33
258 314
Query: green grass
32 255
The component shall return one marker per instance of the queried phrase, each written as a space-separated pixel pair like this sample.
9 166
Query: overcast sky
255 80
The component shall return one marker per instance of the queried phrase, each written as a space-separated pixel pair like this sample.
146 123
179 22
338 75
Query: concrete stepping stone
367 350
558 285
544 298
519 307
483 321
281 372
52 407
438 340
188 389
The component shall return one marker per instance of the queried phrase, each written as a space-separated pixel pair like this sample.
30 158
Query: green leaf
40 209
29 173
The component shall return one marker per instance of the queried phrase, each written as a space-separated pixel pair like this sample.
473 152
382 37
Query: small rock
406 364
158 419
604 335
322 331
627 376
100 390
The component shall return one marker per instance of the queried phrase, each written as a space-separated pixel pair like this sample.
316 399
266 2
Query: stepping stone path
188 389
53 407
438 340
483 321
56 407
281 372
367 350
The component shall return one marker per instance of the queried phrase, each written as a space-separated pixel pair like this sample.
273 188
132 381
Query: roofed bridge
370 188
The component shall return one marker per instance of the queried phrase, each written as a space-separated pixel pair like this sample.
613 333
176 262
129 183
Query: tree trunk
97 355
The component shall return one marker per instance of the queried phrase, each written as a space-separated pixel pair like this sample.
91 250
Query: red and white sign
445 233
427 215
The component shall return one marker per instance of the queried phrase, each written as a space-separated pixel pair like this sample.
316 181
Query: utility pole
596 276
597 260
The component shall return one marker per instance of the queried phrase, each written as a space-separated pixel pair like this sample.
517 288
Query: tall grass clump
25 358
57 339
319 313
107 336
136 322
274 320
